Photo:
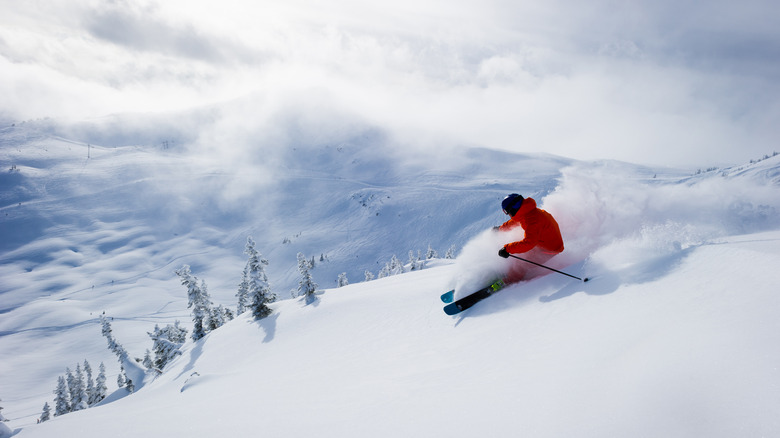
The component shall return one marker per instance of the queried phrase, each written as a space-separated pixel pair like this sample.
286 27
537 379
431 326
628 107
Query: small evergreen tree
101 390
78 398
46 414
243 291
384 272
210 325
120 378
217 318
227 313
129 385
396 267
147 362
306 285
113 345
431 253
369 275
450 253
136 370
70 381
415 263
167 344
90 389
124 359
258 289
61 398
342 280
198 301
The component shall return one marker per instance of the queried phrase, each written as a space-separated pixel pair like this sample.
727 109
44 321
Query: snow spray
479 264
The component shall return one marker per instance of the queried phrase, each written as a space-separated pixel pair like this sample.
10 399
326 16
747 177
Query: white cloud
654 82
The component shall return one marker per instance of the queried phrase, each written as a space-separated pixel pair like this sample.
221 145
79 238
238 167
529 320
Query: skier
542 241
542 238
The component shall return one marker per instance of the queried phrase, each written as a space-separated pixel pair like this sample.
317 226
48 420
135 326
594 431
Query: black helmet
512 203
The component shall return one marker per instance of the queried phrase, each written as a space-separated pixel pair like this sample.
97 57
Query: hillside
676 347
669 338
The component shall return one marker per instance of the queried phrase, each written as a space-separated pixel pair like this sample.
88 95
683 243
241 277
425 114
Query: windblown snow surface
676 334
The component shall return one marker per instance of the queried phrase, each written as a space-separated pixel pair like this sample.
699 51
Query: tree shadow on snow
194 355
268 324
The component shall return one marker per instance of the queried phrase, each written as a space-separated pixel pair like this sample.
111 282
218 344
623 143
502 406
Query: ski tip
586 279
448 297
452 309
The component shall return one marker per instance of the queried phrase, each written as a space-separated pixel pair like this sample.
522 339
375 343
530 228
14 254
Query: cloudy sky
649 81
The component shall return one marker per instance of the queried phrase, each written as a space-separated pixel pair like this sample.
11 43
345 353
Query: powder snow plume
478 263
613 217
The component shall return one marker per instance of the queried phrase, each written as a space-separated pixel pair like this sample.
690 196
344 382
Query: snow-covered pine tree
78 395
147 362
306 285
101 390
369 275
450 253
385 271
130 385
342 280
431 253
90 382
61 398
227 313
243 291
120 379
113 345
258 289
167 344
46 413
198 301
70 381
217 317
396 267
206 307
128 366
415 261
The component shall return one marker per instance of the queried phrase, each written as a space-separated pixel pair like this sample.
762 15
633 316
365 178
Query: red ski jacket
541 230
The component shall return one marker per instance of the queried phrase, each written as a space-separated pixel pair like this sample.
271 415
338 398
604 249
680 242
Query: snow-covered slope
673 336
679 347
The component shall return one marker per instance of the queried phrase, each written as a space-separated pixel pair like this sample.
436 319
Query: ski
469 300
448 297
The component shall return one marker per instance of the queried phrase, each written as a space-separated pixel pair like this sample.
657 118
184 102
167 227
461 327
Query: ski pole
547 267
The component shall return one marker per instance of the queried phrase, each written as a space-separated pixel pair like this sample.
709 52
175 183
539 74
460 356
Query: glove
496 229
503 253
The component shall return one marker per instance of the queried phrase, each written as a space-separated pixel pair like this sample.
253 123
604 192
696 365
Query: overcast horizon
673 83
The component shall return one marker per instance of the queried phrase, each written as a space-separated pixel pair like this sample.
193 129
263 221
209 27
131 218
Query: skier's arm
520 247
